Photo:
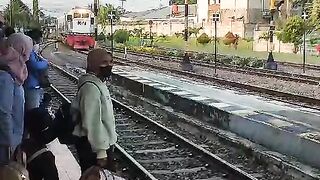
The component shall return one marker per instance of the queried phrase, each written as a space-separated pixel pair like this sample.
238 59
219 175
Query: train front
80 29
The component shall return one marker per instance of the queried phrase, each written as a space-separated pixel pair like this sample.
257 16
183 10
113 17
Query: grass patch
245 49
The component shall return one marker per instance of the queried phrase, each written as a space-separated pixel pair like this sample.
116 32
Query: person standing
14 52
93 108
36 65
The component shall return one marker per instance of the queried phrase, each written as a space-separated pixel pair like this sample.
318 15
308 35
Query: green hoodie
96 111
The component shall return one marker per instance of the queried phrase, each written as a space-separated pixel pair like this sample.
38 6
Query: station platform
67 165
279 126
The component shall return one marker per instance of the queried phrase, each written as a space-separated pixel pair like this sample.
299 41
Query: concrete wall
166 27
234 4
170 28
278 46
203 8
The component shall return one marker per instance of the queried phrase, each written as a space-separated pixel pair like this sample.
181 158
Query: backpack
97 173
43 78
16 169
64 125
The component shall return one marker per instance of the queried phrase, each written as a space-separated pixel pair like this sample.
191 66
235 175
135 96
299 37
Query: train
76 28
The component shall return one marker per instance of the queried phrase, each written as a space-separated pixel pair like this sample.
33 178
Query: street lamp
96 9
111 17
216 18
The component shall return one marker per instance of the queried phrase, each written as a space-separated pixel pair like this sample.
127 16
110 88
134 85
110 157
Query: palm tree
21 15
122 3
36 10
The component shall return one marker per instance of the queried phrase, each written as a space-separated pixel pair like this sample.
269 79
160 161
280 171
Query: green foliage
103 15
180 2
136 32
315 13
101 37
36 11
178 34
194 31
293 30
121 36
21 16
265 36
161 38
248 39
203 39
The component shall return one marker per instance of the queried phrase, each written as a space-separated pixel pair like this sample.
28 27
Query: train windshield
77 15
85 15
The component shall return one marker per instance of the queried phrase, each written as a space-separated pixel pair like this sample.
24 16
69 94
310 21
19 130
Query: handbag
17 167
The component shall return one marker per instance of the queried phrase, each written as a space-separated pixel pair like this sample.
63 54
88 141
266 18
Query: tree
137 32
121 36
21 14
293 31
315 13
194 31
203 39
36 11
104 12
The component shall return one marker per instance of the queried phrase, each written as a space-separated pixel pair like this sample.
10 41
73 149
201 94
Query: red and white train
77 28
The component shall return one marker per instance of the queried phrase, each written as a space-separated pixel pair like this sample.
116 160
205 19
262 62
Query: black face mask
105 72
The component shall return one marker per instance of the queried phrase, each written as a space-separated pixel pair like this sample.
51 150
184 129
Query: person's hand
102 162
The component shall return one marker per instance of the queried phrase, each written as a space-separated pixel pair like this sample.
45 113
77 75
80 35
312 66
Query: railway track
308 66
154 151
295 77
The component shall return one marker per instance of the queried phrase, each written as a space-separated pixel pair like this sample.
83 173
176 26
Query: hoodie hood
88 78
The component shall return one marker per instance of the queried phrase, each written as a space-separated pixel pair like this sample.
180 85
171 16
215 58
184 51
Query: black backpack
43 78
64 125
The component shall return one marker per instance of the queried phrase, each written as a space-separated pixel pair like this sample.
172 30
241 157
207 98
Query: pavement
67 165
283 127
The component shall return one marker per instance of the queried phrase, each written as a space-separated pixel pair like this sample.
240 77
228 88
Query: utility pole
186 64
111 17
271 64
96 9
151 37
186 14
304 15
216 18
11 13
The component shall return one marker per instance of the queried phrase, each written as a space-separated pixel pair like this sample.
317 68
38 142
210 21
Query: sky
58 7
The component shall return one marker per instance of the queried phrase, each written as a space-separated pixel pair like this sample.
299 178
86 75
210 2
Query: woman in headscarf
14 52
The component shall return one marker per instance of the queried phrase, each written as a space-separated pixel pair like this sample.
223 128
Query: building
240 17
165 20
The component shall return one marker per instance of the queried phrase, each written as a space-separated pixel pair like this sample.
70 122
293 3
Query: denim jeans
18 116
33 98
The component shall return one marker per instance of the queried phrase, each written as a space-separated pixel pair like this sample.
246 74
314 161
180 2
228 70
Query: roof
160 13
